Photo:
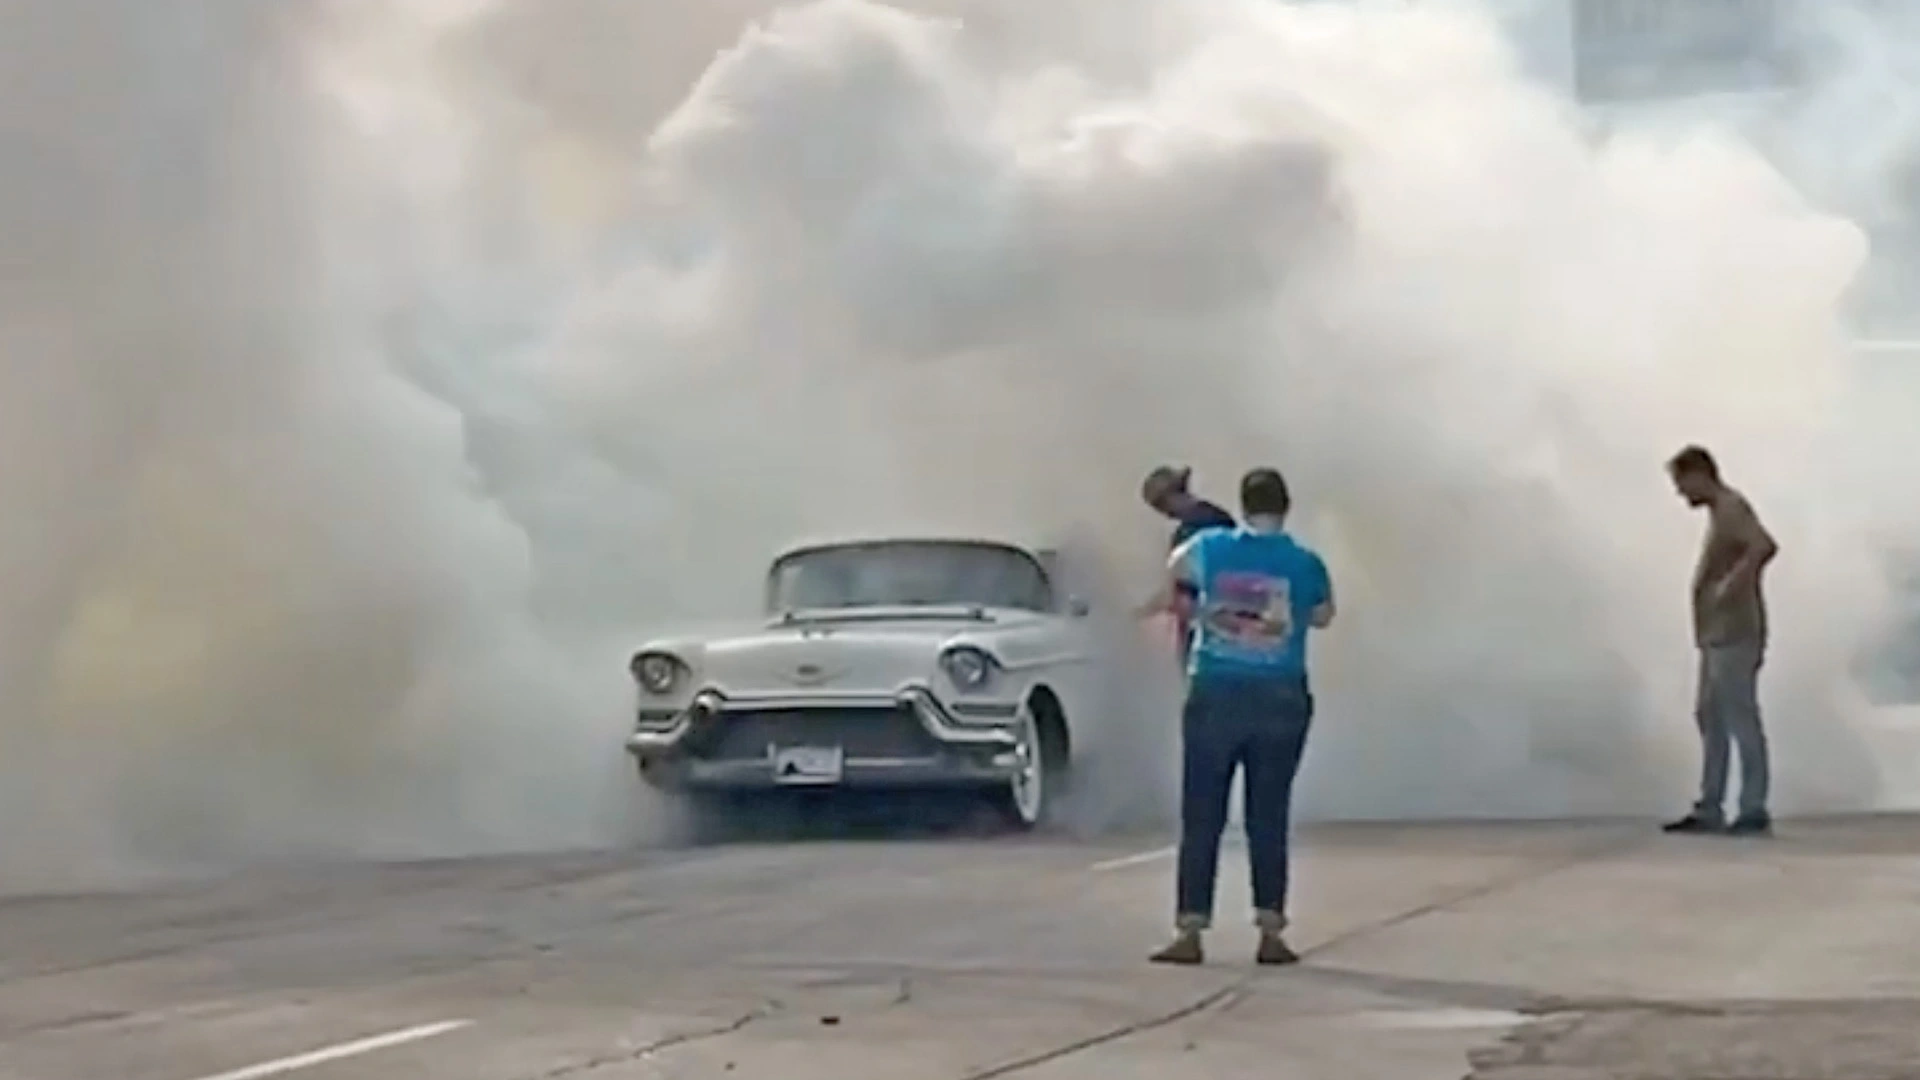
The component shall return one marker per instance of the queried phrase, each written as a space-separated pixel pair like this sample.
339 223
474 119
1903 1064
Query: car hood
876 649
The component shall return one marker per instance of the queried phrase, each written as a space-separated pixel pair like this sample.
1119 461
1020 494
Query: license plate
808 765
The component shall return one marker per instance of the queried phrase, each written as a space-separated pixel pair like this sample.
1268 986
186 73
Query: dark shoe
1695 822
1274 952
1185 949
1751 825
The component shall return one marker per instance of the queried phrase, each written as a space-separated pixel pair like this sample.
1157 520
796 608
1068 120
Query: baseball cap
1163 481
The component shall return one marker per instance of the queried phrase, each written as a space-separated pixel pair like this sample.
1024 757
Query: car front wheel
1028 797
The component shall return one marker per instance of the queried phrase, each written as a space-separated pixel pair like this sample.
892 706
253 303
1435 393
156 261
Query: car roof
910 537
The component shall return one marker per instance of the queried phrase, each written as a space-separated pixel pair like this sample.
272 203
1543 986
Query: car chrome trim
988 710
934 717
757 775
948 728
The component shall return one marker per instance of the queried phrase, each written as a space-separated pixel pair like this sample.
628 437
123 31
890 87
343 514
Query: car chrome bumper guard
709 706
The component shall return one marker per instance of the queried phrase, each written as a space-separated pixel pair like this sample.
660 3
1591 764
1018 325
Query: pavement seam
1591 854
641 1053
1529 1052
1231 992
1236 991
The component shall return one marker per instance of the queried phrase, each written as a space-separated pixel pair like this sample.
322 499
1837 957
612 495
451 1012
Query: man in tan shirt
1730 632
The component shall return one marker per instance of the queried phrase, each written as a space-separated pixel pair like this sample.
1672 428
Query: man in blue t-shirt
1166 491
1257 594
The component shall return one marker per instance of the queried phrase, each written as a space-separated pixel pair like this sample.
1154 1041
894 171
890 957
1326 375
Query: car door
1074 621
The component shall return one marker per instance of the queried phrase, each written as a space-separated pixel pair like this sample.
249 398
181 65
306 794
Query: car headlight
969 668
657 673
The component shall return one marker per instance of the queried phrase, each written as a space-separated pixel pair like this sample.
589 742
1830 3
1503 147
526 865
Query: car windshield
908 573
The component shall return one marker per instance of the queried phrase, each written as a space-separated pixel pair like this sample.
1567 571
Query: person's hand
1719 591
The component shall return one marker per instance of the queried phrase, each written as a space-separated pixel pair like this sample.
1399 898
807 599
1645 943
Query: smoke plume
375 374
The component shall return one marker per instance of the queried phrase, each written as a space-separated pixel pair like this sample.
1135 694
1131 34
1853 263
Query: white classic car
878 663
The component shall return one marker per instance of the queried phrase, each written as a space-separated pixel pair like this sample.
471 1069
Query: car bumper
907 739
711 710
856 773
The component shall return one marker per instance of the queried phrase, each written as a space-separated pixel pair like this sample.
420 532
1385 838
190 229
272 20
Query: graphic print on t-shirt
1249 611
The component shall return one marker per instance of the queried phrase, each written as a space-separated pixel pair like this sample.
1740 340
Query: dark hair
1164 480
1694 460
1264 491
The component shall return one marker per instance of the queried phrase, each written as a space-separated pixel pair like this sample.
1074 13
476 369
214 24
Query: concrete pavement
1538 952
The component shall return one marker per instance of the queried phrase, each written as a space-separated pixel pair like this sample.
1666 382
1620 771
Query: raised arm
1177 579
1323 609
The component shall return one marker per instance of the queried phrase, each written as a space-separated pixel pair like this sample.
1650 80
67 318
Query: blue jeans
1728 711
1259 728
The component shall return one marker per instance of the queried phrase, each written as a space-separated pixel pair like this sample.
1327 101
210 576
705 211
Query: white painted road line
327 1054
1138 858
1437 1019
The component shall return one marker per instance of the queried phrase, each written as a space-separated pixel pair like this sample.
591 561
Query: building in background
1628 50
1829 90
1621 52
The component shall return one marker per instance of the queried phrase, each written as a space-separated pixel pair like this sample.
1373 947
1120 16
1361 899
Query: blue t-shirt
1256 592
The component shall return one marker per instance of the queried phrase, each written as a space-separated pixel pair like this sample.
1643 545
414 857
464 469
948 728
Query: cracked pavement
1523 952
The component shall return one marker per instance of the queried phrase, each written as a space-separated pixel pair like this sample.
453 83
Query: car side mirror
1078 607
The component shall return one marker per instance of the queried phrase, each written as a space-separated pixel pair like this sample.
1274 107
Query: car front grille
872 732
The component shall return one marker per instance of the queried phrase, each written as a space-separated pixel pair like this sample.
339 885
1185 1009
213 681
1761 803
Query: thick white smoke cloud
256 599
375 372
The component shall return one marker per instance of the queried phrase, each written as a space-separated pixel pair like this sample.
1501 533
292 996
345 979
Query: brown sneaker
1184 949
1274 951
